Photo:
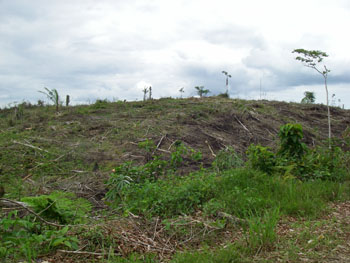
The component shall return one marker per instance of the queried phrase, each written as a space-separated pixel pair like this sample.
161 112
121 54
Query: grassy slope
74 150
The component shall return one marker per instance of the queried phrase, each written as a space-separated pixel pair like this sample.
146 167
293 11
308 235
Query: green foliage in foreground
239 192
63 207
294 159
23 237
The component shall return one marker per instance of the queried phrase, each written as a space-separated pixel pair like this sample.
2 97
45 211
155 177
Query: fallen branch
30 146
25 206
165 151
84 253
27 177
79 171
211 150
9 203
159 143
155 229
244 127
171 145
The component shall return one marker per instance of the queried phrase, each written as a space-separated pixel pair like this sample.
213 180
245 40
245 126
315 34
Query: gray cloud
104 49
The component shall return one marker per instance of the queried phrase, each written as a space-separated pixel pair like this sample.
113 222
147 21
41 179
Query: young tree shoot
201 91
312 59
52 95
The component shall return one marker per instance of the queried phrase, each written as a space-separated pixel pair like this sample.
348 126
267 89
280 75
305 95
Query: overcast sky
112 49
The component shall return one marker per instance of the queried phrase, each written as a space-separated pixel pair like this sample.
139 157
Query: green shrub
291 146
261 158
100 104
224 95
148 145
327 164
25 238
64 207
169 197
120 179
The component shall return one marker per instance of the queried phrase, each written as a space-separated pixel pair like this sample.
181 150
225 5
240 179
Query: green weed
25 238
261 231
64 207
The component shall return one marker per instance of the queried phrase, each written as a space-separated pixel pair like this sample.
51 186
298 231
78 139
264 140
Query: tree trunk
329 113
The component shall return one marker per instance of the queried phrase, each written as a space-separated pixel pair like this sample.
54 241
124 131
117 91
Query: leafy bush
327 164
100 104
120 179
291 146
148 145
183 154
23 237
295 160
127 173
64 207
169 197
261 158
224 95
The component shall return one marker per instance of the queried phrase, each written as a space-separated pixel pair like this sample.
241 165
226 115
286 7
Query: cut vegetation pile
174 180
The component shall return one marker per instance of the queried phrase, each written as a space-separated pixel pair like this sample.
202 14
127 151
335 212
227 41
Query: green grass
240 192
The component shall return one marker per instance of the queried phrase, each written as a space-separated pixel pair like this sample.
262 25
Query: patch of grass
239 192
229 254
261 232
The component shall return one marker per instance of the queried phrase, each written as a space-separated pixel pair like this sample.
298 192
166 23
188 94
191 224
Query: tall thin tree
311 59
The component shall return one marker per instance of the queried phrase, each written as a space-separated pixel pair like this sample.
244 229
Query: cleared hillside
76 149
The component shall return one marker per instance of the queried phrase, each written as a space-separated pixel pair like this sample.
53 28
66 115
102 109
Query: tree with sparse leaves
309 97
227 76
145 90
201 91
312 59
182 90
